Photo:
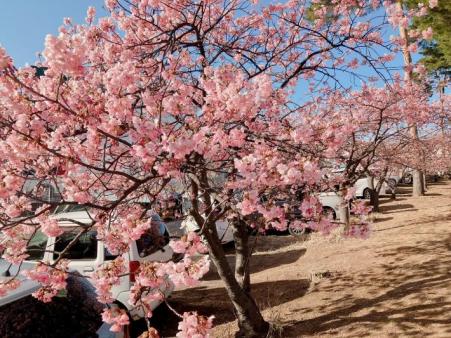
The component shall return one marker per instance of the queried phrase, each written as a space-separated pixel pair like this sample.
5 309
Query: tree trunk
344 208
374 194
242 254
417 175
250 320
418 184
374 200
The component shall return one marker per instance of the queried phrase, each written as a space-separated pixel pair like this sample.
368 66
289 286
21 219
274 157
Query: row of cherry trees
227 100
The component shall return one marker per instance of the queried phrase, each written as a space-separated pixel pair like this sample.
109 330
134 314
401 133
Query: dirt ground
397 283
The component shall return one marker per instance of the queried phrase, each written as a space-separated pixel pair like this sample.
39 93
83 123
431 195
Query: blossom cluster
189 244
51 279
106 277
194 326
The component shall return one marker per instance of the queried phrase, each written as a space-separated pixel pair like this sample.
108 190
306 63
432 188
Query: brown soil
397 283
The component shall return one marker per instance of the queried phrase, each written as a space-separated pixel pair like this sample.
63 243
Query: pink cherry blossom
194 326
427 34
360 208
106 277
189 244
51 228
90 14
8 285
310 207
5 60
52 280
117 317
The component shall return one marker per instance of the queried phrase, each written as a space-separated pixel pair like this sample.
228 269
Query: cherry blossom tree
203 95
433 146
408 41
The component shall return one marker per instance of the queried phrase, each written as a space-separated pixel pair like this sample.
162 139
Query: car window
59 209
108 256
69 208
37 246
75 207
186 205
155 238
84 248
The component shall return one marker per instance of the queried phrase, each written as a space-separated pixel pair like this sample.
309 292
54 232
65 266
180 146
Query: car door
85 255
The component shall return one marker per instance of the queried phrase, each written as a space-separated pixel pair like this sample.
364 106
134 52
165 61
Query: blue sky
25 23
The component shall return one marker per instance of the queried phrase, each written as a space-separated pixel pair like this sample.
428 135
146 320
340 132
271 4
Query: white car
88 254
331 204
329 200
223 228
363 189
189 224
26 288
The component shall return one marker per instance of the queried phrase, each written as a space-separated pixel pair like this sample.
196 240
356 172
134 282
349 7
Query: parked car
89 253
26 288
393 181
331 204
330 201
408 176
432 178
171 208
223 228
363 189
188 224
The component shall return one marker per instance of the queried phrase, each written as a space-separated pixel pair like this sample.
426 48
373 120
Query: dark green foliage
436 53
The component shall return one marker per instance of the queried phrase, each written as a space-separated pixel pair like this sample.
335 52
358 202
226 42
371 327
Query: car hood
26 288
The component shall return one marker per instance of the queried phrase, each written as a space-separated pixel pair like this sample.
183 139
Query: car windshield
37 246
154 239
69 208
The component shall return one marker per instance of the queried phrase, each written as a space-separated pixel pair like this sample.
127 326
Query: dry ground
395 284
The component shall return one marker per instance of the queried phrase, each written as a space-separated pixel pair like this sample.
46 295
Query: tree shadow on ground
422 220
382 219
264 243
214 301
439 182
261 261
388 200
432 194
75 315
403 294
386 209
391 228
404 191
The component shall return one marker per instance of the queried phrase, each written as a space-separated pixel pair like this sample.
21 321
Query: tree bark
417 175
374 194
250 320
343 210
425 185
418 183
242 254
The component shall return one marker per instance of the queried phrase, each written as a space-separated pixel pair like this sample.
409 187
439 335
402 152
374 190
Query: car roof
82 216
64 218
